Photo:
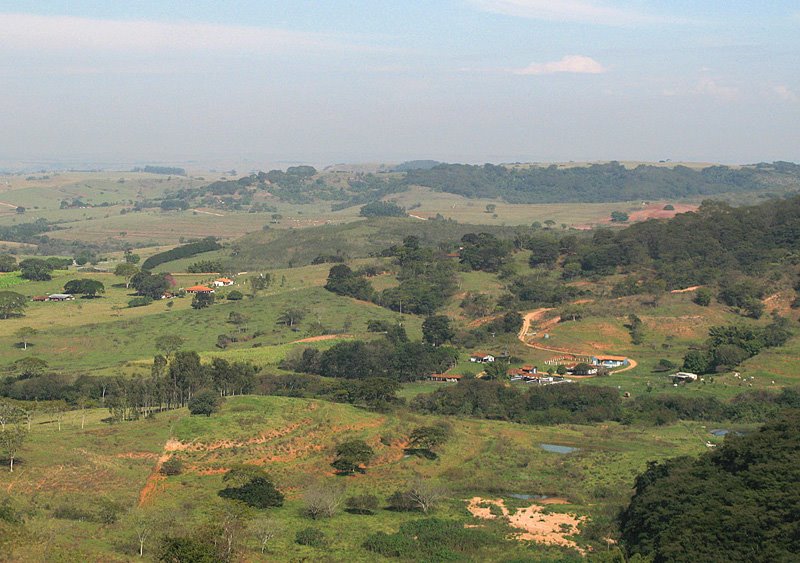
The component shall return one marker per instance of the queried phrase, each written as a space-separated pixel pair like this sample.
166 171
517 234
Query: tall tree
25 333
12 304
11 440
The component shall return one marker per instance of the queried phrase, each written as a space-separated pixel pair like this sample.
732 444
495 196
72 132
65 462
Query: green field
293 439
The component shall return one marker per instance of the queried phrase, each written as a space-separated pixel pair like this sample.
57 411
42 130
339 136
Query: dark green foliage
382 209
8 513
365 504
702 297
26 232
8 263
150 285
665 365
436 329
619 217
166 170
351 455
12 304
252 486
636 329
728 346
204 266
484 251
201 300
140 301
541 292
89 288
183 251
188 550
745 295
173 466
205 402
550 404
402 361
669 207
598 182
425 439
431 539
738 502
313 537
36 269
343 281
235 295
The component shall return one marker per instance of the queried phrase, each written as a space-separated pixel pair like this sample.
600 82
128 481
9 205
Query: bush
322 500
140 301
173 466
235 295
311 536
254 488
702 297
194 550
205 402
362 504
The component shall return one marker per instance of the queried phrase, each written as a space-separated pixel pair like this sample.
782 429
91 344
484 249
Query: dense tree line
737 503
383 358
598 182
728 346
167 170
582 404
715 242
183 251
426 281
382 209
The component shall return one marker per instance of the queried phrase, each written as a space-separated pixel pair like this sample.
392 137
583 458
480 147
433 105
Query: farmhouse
223 282
60 297
610 361
481 358
199 289
39 298
449 377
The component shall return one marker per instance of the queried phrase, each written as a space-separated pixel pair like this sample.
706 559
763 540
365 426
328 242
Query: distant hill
278 248
416 165
599 183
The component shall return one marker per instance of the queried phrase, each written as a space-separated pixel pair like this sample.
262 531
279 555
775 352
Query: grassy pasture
293 439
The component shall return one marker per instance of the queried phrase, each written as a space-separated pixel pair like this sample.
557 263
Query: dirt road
532 316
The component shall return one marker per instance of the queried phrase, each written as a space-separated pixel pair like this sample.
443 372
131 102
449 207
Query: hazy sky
357 81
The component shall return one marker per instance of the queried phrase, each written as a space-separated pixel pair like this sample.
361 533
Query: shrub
362 504
140 301
311 536
205 402
196 550
235 295
669 207
702 297
254 488
173 466
322 500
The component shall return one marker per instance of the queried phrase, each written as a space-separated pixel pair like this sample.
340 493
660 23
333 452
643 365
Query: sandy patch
687 289
321 338
538 526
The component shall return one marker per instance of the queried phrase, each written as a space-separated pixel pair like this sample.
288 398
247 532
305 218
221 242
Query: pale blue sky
357 81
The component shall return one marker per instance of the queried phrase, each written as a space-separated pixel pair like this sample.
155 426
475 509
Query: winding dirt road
532 316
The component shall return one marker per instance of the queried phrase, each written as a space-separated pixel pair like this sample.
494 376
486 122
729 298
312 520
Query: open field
293 439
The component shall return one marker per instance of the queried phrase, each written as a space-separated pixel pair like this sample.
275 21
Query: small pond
528 497
556 449
724 432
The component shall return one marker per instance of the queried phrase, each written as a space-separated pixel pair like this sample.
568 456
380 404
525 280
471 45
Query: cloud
574 64
710 87
38 33
584 11
785 93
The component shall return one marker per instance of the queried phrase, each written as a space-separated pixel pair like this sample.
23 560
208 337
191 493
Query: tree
131 258
497 370
259 283
436 330
425 494
619 217
252 486
150 285
202 300
126 270
8 263
323 500
36 269
12 304
89 288
169 343
25 333
235 295
702 297
265 530
9 413
491 208
11 440
144 524
291 316
428 438
205 402
351 455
